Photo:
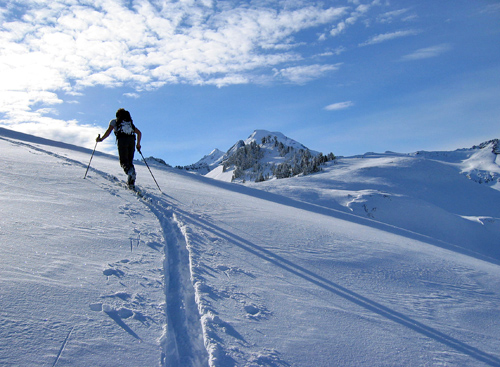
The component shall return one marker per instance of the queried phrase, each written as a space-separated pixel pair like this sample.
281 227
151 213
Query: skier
125 132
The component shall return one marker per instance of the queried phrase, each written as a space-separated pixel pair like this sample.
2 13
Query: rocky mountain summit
262 156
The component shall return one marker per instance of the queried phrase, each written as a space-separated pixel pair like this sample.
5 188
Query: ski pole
98 136
144 159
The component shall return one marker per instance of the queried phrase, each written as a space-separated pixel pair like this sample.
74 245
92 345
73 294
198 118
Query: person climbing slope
125 132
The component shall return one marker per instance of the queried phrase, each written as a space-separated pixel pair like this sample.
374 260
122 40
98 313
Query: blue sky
346 77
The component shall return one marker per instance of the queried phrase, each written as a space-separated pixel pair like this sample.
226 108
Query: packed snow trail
259 279
206 237
343 292
182 344
72 292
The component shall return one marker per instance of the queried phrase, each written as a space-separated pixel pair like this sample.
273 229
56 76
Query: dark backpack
124 128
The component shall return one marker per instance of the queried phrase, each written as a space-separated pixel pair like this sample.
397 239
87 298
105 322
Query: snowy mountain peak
234 148
493 144
207 163
262 136
265 155
212 159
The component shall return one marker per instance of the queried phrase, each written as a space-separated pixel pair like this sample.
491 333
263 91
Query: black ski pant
126 150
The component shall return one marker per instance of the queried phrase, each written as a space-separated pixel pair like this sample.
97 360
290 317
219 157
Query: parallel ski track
182 344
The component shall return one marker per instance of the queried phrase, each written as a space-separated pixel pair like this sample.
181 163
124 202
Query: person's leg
130 163
126 149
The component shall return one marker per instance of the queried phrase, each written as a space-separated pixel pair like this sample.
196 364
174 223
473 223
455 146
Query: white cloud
132 95
390 16
338 29
336 52
54 46
67 46
304 74
360 11
228 80
491 8
339 106
70 132
428 52
389 36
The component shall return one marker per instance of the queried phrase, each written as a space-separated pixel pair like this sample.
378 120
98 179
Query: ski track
182 343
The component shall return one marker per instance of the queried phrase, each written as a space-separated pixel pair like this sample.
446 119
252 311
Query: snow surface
207 163
212 159
385 260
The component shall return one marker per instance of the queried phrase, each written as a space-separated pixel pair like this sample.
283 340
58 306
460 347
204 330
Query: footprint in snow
97 307
255 312
231 270
123 313
252 310
116 272
122 295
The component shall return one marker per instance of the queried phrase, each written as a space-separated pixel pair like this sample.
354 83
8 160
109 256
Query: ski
137 190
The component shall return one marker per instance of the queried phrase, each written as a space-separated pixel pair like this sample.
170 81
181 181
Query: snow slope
429 193
212 273
207 163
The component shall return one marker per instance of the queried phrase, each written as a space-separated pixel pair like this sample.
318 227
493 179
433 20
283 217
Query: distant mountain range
262 156
266 155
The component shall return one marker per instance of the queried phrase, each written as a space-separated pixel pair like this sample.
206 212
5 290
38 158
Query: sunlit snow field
380 260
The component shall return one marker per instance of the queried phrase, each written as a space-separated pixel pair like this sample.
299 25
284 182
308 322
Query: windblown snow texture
382 259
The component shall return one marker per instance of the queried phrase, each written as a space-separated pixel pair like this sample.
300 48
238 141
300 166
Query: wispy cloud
389 36
132 95
359 12
339 106
391 16
428 52
304 74
491 8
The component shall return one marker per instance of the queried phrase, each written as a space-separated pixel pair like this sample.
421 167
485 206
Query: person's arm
106 134
139 136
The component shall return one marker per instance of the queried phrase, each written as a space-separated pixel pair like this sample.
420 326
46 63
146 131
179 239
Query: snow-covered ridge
483 164
266 155
206 164
258 136
459 185
494 144
217 157
480 163
379 260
